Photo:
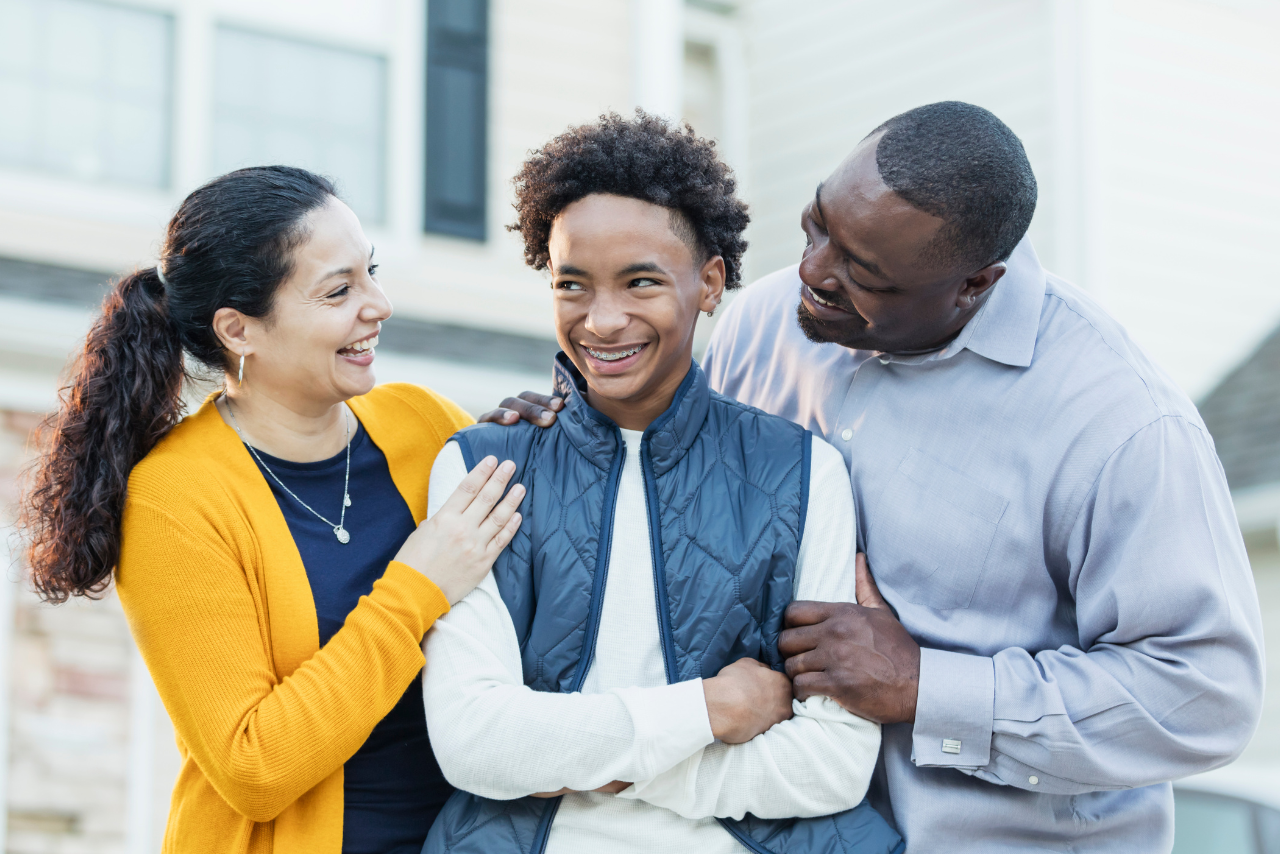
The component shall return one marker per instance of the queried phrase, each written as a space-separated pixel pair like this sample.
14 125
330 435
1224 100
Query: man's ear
977 284
712 276
230 327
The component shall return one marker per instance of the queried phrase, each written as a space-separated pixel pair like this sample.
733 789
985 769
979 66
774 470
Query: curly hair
644 158
231 243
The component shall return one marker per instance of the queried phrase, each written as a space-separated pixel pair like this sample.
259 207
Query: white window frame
720 32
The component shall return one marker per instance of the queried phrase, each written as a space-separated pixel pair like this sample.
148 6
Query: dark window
457 84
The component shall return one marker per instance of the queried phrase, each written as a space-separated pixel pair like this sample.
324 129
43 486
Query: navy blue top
393 787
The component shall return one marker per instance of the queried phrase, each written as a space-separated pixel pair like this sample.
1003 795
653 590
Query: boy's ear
712 276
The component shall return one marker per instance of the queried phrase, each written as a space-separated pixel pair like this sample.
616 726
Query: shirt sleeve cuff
670 721
954 710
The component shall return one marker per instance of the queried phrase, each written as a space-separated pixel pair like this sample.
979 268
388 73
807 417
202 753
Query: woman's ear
230 327
712 276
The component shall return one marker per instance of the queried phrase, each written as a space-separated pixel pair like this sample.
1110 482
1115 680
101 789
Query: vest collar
596 436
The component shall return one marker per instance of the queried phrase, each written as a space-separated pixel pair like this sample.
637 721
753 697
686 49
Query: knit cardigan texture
220 607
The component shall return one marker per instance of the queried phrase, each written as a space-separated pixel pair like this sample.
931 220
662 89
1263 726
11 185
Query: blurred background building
1152 125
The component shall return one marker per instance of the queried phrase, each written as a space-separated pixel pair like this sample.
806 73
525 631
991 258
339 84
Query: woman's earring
240 378
712 313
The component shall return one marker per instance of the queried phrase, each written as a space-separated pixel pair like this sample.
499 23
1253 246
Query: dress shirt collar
1004 329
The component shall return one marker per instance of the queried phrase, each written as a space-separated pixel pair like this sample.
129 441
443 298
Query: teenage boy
602 690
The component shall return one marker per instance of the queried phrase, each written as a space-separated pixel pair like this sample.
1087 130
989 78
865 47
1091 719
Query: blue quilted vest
726 488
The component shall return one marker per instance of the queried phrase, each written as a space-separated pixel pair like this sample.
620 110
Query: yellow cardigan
219 604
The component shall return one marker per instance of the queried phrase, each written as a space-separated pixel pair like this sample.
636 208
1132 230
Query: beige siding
825 72
1188 136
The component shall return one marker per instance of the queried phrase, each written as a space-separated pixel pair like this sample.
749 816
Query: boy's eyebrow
642 267
570 270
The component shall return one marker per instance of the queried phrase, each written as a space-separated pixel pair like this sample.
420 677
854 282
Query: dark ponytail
229 245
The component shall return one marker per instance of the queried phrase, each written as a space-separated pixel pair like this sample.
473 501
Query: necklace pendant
346 501
342 535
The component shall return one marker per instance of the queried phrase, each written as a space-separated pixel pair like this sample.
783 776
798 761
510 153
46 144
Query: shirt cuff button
1033 780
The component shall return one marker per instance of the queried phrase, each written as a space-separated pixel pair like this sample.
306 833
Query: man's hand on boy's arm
537 409
858 655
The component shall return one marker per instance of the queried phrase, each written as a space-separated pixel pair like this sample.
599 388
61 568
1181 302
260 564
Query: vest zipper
664 611
659 567
543 833
602 566
747 842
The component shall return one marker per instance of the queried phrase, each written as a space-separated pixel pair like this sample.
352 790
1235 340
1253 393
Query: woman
269 550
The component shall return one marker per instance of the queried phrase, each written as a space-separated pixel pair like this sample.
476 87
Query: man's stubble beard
816 332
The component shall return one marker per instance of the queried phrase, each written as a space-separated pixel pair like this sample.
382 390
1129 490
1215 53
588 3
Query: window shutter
457 120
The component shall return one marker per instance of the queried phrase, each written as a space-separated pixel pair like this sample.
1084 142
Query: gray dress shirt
1043 507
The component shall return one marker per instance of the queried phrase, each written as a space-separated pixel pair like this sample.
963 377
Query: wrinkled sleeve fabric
820 761
1167 677
496 737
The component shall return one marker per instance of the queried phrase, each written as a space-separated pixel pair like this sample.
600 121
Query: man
1042 507
602 691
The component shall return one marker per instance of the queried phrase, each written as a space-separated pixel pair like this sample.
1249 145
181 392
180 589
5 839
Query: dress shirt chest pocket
933 530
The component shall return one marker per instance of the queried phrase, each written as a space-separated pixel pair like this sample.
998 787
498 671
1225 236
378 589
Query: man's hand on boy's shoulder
538 409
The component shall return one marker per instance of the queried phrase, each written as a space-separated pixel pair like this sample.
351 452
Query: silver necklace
338 530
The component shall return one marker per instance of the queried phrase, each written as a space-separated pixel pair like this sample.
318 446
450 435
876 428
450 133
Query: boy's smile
628 290
613 360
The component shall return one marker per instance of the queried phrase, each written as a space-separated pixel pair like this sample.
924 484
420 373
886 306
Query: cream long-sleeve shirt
496 737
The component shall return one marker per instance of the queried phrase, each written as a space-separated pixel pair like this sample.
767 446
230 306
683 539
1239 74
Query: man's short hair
644 158
959 162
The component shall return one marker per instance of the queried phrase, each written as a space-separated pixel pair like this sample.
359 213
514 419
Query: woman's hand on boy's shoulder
538 409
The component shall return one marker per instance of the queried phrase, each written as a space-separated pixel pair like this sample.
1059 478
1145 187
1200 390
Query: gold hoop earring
240 377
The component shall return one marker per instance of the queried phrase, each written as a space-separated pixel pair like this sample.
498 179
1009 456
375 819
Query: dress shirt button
884 360
847 434
1033 780
951 745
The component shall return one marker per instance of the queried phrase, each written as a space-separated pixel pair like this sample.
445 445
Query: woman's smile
360 352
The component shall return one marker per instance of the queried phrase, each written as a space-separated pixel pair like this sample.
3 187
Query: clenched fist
746 698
